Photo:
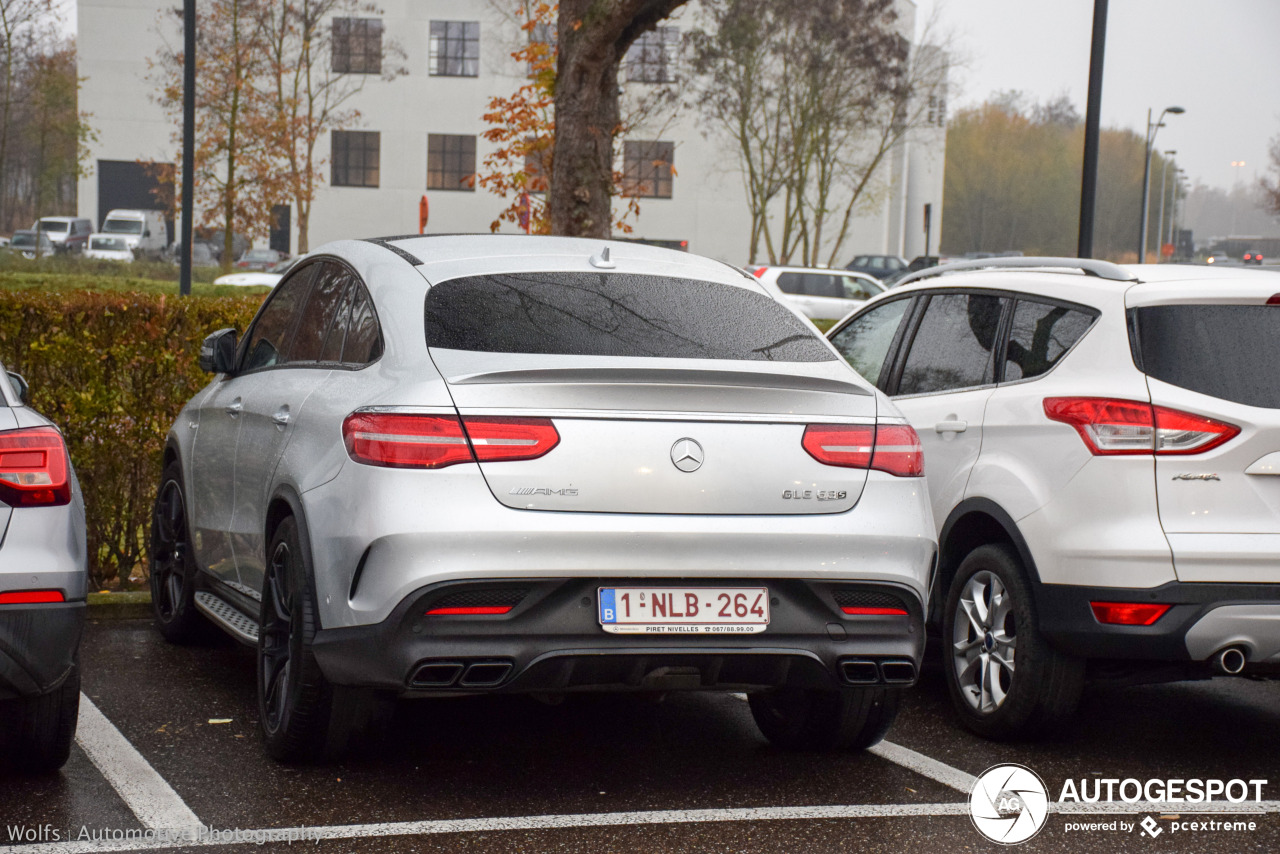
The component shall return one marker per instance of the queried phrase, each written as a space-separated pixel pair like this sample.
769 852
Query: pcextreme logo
1009 804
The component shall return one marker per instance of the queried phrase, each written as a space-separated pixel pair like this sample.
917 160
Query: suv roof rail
1088 266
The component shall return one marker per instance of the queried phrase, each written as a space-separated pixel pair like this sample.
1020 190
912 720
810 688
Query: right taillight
33 468
1119 427
401 440
892 448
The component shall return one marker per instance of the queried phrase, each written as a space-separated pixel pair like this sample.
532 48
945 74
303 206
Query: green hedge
112 369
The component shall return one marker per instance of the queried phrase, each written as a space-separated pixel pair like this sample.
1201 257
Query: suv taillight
1115 427
397 440
892 448
33 468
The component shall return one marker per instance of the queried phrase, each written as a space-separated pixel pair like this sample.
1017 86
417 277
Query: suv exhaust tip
857 672
1230 661
900 672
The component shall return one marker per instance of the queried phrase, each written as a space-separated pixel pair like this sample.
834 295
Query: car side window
952 347
1040 335
866 340
321 308
791 283
364 336
855 288
272 332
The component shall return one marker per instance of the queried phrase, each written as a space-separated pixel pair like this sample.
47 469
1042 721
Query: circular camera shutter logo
1009 804
687 455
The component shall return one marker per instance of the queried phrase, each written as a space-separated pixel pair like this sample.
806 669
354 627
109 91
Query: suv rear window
615 314
1227 351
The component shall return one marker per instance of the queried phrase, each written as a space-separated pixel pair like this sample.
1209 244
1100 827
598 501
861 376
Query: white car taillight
33 468
1118 427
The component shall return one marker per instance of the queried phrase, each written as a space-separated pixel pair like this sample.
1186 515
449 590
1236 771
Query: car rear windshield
615 314
1227 351
112 244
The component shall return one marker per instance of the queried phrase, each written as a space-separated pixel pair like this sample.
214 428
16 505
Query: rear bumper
552 642
38 645
1204 618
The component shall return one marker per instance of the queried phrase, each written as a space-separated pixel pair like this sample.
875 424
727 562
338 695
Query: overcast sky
1220 60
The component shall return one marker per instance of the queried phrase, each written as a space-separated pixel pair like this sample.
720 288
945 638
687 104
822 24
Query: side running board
228 618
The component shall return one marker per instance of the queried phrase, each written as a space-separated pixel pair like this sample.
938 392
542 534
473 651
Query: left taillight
33 468
398 440
892 448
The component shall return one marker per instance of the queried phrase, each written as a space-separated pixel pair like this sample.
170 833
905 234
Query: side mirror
218 352
20 387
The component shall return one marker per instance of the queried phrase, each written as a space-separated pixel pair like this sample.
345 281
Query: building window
543 34
355 158
652 57
357 45
937 114
647 168
455 49
451 162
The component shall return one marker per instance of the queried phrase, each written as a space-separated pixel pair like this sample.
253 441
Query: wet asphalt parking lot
604 773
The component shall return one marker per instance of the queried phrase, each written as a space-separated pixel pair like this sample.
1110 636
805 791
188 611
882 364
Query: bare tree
814 95
1270 186
593 37
25 25
310 87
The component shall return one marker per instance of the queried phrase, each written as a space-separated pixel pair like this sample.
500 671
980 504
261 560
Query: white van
143 231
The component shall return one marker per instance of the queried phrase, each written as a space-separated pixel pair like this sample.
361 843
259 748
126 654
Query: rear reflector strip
1128 613
875 612
31 597
479 610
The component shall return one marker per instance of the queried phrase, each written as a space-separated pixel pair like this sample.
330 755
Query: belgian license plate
684 610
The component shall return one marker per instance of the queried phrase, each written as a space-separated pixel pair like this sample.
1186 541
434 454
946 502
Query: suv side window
322 306
855 288
1041 333
866 340
953 344
791 283
364 337
272 332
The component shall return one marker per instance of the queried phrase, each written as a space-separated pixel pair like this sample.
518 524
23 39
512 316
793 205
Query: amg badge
541 490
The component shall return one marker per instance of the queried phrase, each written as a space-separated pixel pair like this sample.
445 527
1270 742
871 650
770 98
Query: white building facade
419 131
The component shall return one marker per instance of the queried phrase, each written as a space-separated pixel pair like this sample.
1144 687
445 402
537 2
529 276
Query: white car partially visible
819 293
109 247
260 279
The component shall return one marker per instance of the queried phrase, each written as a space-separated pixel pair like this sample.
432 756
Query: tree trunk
594 36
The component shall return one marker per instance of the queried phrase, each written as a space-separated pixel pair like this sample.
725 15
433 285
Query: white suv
819 293
1102 447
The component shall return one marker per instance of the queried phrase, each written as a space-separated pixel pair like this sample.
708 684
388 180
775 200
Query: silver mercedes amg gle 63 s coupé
453 465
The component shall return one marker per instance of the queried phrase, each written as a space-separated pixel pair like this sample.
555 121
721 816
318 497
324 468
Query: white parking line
925 766
143 790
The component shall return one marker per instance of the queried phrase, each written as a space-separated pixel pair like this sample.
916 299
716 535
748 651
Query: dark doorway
280 235
131 185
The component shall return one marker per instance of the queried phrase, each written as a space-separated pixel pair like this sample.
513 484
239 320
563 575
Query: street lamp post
1152 130
1164 169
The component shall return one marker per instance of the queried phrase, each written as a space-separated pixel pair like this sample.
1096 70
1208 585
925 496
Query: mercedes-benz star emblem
687 455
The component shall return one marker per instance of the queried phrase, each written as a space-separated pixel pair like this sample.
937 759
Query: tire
36 732
805 719
1006 682
173 567
303 717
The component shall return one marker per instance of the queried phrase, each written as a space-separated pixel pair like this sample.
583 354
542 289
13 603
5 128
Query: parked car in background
264 279
44 580
877 266
143 230
259 259
202 254
67 233
820 293
109 247
1252 257
472 464
918 263
31 244
1103 448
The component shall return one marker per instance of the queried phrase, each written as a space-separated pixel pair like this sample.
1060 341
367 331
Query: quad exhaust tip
1230 661
448 674
869 671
